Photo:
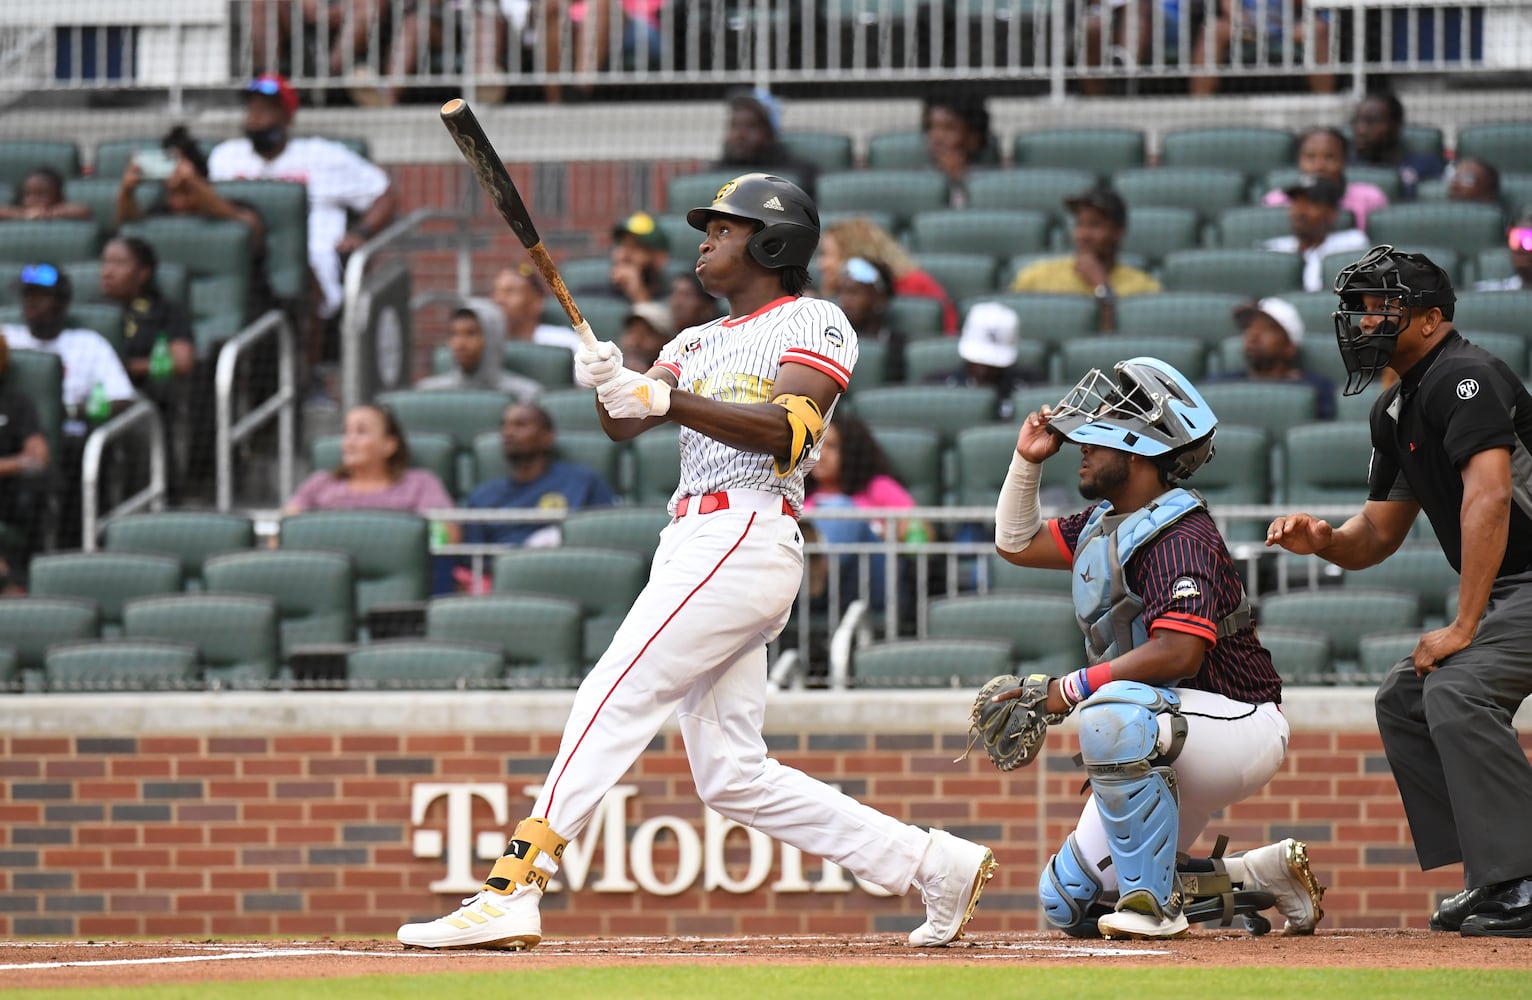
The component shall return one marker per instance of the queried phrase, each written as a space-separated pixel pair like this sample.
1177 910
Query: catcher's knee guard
1119 741
518 866
1070 889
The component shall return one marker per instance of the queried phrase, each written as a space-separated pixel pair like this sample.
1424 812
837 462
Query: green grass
1000 979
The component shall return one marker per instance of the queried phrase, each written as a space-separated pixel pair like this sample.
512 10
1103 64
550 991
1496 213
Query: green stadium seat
871 366
217 256
1379 652
1157 231
416 664
1251 151
634 528
1507 146
1252 273
1078 357
914 316
1385 179
1033 189
85 275
548 364
1051 319
1508 347
121 665
587 272
1492 311
235 634
997 232
435 453
10 668
461 414
1326 463
690 191
570 410
112 158
908 149
963 275
1205 190
1301 656
40 376
1205 316
1240 471
1040 628
110 579
1273 406
1516 192
883 220
7 193
19 157
389 550
656 466
825 150
29 241
1101 151
945 409
191 536
1493 265
284 209
1344 614
930 663
538 637
679 234
1462 226
904 193
315 594
605 582
1416 567
983 458
1249 226
99 194
916 455
30 624
1007 578
604 313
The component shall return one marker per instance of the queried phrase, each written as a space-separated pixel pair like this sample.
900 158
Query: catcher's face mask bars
1099 396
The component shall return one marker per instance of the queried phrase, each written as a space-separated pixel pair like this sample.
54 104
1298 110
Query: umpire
1451 437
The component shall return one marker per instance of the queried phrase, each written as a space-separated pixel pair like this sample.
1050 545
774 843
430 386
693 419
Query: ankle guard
518 865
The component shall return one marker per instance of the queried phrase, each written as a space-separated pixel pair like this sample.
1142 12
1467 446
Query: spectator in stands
1129 33
864 292
989 347
520 293
1377 136
534 480
690 304
647 329
338 182
1322 152
861 237
1273 330
1101 223
1313 204
640 251
476 339
956 127
374 472
1260 30
1473 179
348 24
753 141
26 477
853 471
589 34
187 190
1519 236
429 35
42 197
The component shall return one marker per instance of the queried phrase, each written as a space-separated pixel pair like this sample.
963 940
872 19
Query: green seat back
690 191
656 466
1040 628
915 316
1515 193
1326 463
460 414
217 256
935 355
104 318
998 232
99 194
1204 316
1036 189
1301 656
604 581
190 536
1344 614
284 209
39 376
10 667
85 275
983 457
235 634
1493 264
1466 227
1157 231
1385 179
31 624
29 241
1186 355
435 453
871 366
19 157
1003 577
604 313
634 528
930 663
1100 151
111 579
1051 319
916 455
424 663
901 192
570 410
1507 146
586 272
1205 190
389 550
1492 311
538 637
1252 273
962 275
884 220
112 158
121 665
944 409
1508 347
1271 406
1029 398
548 364
314 590
1251 151
1416 567
1240 472
902 150
825 150
1249 226
1380 652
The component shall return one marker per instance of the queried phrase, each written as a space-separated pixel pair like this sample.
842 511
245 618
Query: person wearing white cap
1273 331
989 347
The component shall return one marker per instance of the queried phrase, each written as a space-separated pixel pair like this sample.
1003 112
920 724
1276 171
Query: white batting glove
627 394
594 365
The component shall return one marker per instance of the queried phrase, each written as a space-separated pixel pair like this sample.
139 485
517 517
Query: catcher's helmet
1403 281
789 221
1148 409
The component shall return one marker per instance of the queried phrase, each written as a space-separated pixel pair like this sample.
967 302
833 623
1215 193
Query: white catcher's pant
694 643
1232 750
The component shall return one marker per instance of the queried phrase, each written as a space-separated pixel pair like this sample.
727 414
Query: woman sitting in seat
1323 151
859 237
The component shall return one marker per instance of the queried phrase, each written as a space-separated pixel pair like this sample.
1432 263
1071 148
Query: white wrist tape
1018 517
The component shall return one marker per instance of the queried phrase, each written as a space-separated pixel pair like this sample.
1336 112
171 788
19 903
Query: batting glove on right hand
595 365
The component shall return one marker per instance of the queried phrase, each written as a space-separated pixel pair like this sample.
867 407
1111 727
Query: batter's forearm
761 428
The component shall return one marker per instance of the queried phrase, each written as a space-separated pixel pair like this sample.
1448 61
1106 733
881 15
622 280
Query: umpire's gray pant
1461 771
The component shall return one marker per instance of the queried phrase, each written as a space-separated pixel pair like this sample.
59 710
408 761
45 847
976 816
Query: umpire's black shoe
1453 910
1507 912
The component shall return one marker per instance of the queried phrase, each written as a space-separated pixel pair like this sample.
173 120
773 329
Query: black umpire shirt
1457 401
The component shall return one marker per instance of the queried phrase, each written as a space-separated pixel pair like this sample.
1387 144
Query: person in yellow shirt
1100 223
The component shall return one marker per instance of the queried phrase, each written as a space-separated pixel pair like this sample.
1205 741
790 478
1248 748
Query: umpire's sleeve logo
1468 388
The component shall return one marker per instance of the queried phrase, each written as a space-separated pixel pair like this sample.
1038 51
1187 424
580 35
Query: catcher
1178 713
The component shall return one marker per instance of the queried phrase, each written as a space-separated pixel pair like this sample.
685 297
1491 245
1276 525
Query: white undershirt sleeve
1018 516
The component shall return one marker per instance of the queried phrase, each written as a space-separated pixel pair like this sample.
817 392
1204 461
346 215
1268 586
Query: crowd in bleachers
983 281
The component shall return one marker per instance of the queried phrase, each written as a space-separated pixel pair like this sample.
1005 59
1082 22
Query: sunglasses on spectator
1521 238
270 88
864 272
40 275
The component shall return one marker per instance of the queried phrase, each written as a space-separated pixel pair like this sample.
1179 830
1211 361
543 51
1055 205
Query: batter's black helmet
789 221
1404 282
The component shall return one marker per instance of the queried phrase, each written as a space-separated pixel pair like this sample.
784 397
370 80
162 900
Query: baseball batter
752 393
1178 710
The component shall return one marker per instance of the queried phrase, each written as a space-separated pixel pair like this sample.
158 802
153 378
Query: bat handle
587 337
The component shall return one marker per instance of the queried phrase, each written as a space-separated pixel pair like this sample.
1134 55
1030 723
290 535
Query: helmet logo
725 191
774 203
1468 388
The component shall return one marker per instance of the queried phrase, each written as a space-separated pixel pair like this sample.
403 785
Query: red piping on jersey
1058 539
819 362
784 300
553 788
1192 624
671 368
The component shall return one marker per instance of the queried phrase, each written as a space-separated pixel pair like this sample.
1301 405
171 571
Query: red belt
710 502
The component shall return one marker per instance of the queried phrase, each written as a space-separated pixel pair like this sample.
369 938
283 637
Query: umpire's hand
1304 534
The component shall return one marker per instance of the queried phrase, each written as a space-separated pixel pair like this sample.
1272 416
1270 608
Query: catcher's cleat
1283 870
951 876
1132 925
486 920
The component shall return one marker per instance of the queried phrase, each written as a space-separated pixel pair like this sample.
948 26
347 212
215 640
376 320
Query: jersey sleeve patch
1184 588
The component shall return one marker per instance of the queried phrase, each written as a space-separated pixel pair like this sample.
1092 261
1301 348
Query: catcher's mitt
1012 730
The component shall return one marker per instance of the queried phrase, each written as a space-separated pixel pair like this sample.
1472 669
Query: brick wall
205 819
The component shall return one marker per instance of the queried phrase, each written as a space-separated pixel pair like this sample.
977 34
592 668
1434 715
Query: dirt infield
101 963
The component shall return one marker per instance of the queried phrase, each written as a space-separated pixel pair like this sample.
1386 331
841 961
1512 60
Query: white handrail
282 404
142 412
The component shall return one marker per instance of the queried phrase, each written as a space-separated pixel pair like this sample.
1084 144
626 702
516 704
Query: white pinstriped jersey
737 361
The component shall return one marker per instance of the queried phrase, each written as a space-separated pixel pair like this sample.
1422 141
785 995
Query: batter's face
724 262
1103 471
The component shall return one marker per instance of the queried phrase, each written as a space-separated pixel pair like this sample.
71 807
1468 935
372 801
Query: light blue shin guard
1119 729
1069 889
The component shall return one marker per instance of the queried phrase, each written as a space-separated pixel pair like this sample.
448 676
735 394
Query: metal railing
281 404
143 416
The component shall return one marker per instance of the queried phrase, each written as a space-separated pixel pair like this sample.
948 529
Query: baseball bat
490 170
